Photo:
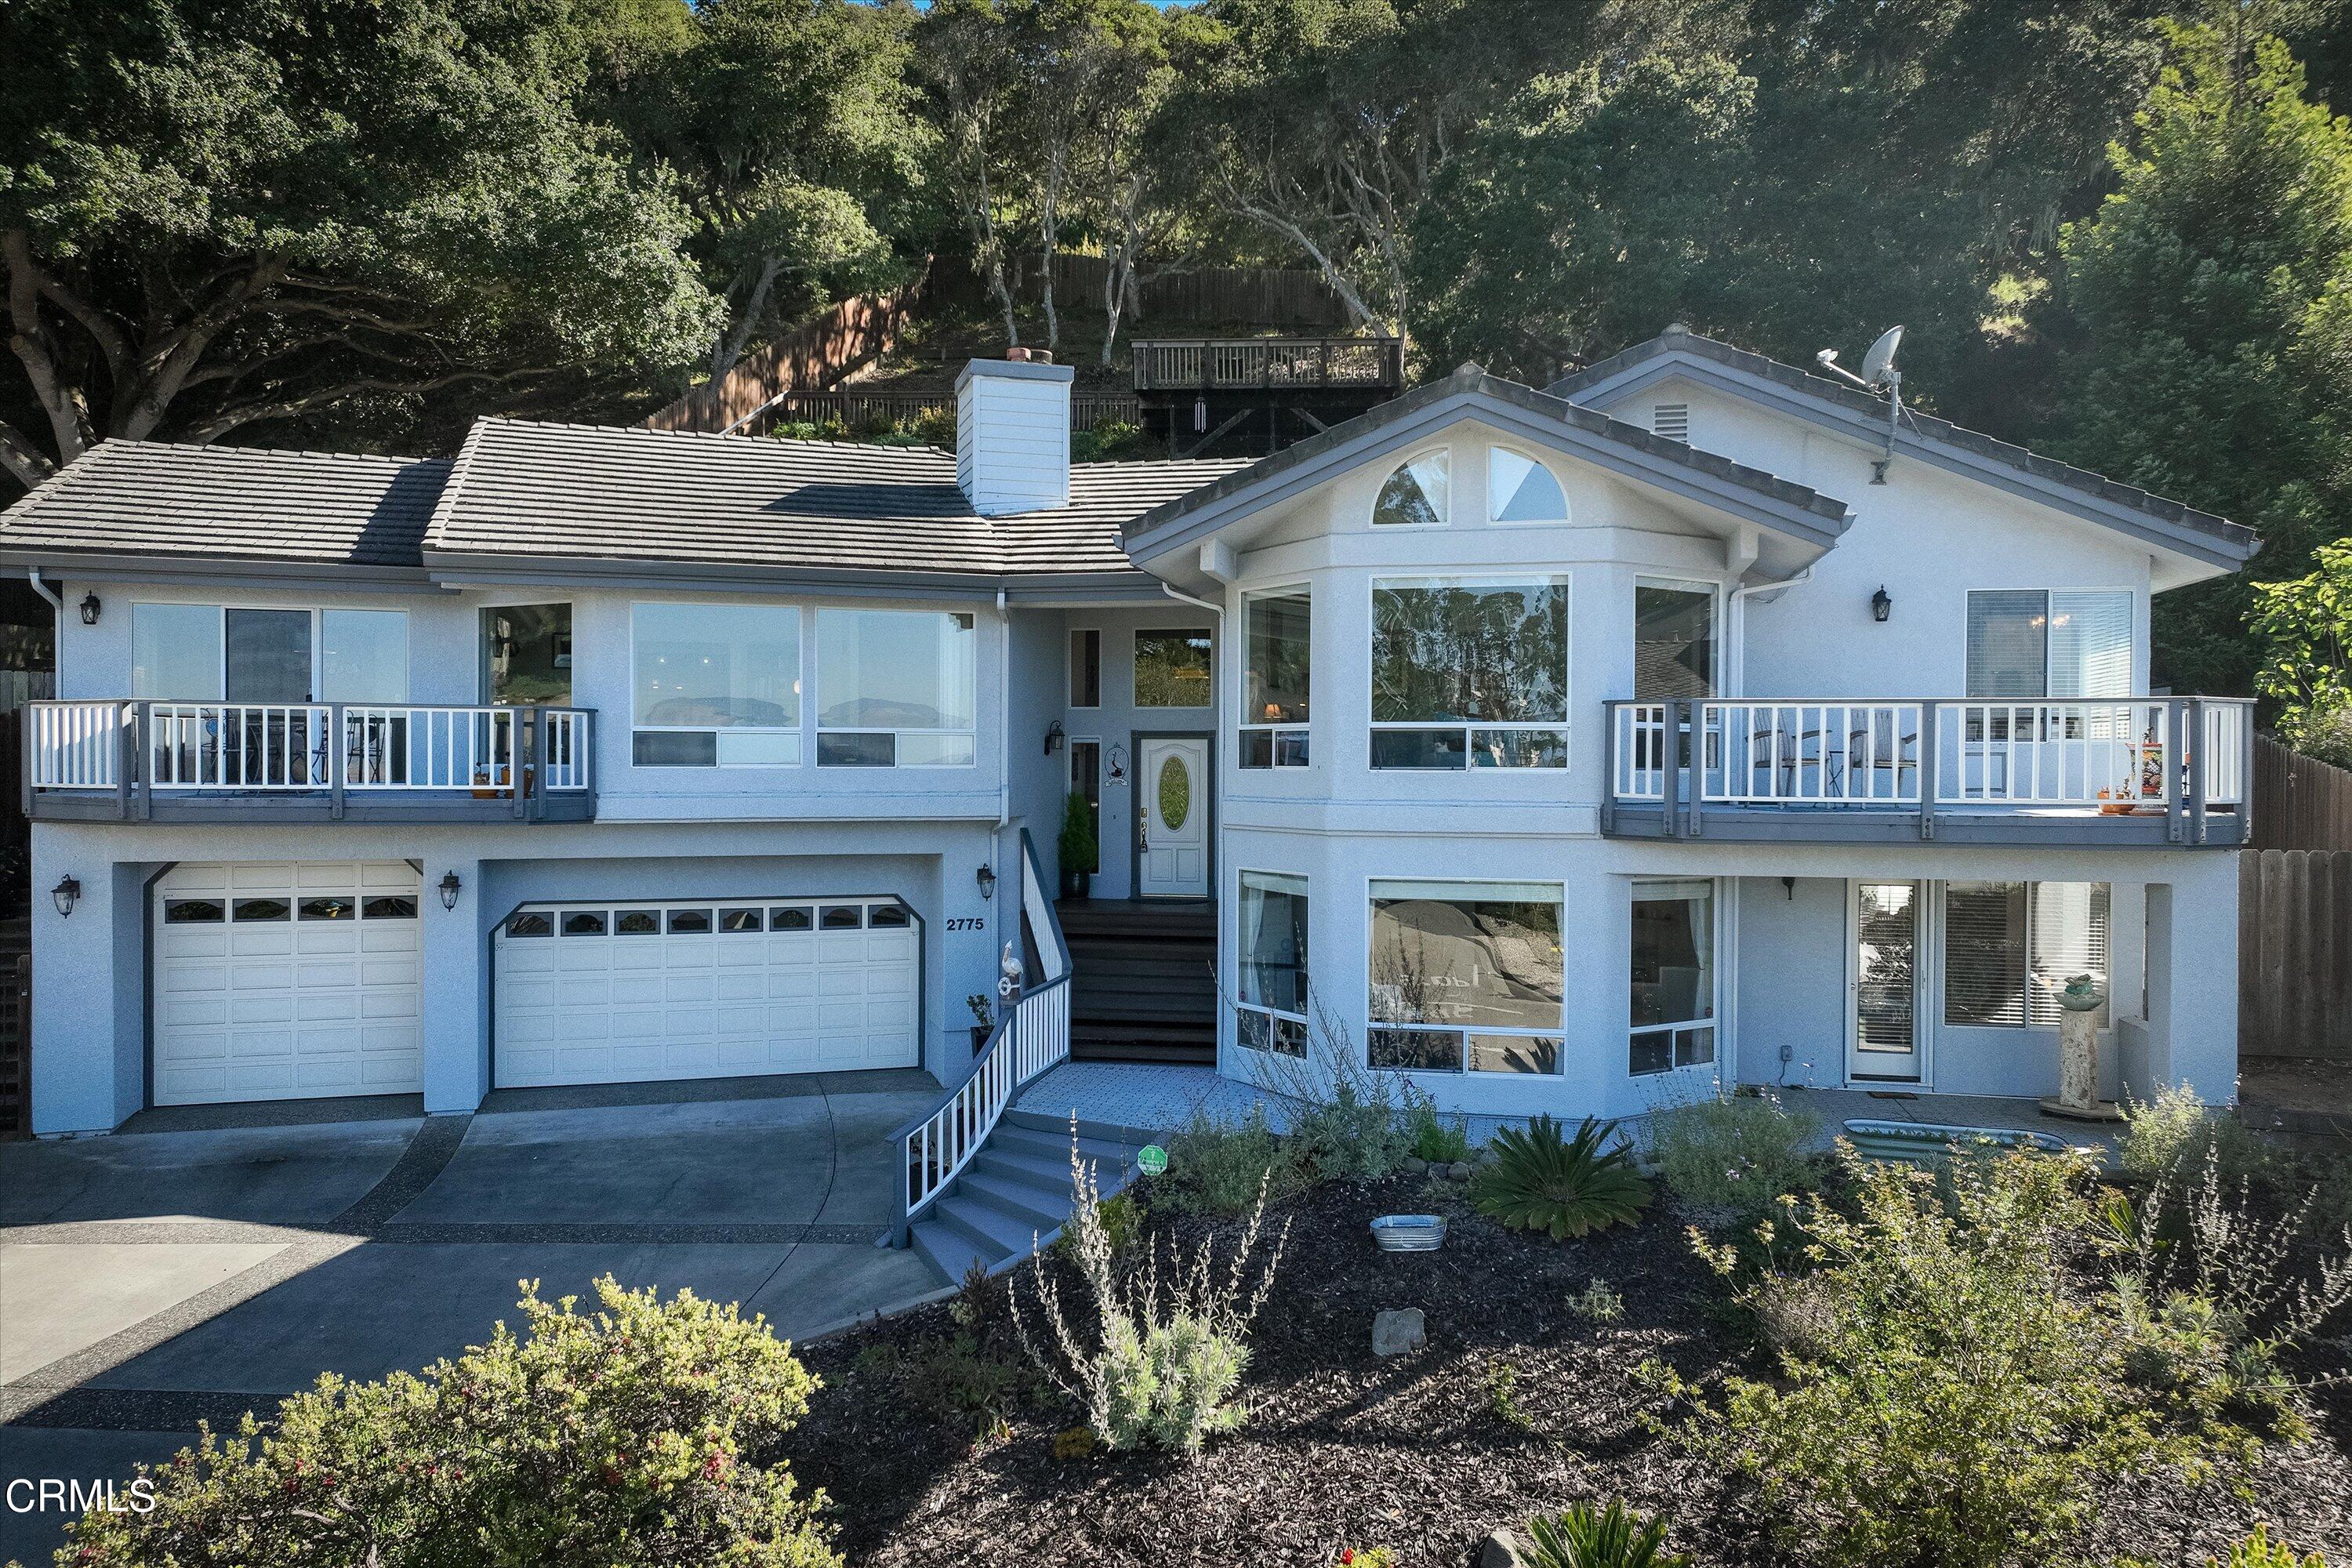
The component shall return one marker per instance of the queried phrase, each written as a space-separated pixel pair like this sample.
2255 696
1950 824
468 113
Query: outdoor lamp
449 886
66 895
1054 737
987 875
1881 605
89 609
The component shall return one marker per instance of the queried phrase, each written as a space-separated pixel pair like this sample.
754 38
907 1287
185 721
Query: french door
1885 1022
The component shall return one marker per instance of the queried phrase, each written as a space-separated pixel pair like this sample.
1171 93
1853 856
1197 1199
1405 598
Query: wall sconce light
1881 606
987 876
1054 737
449 886
66 895
1116 772
89 609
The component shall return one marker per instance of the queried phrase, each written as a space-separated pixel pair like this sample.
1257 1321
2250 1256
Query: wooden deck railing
1213 364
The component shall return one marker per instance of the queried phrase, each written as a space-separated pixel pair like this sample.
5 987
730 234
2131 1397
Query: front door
1883 1043
1171 818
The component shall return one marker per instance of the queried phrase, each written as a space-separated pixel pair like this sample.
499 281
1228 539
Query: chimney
1012 435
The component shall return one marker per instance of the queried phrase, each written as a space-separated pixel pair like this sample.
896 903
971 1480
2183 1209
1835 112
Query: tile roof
1470 379
569 491
2234 537
554 493
230 503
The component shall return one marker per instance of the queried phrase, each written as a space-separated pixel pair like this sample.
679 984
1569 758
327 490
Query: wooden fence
863 412
853 333
16 1046
2294 910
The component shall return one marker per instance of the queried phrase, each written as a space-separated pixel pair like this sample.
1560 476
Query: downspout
57 635
1174 592
1771 585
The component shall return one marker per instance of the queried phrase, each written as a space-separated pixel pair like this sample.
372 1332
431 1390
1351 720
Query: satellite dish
1880 361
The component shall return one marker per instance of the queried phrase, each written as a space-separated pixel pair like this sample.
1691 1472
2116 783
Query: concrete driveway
154 1278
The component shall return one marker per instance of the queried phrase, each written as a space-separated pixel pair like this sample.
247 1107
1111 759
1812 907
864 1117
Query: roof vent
1012 435
1671 421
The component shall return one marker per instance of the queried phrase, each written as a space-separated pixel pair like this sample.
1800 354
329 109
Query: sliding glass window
1469 675
894 689
1277 637
1465 977
716 686
1271 1013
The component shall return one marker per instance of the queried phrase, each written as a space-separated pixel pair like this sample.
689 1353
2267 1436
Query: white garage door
287 982
627 992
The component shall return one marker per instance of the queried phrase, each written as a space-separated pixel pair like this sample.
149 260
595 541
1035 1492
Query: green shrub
1346 1122
1598 1303
1542 1179
1580 1538
1960 1398
1077 841
2173 1134
1113 440
1221 1168
622 1437
1122 1219
1156 1357
1734 1154
2259 1551
1431 1135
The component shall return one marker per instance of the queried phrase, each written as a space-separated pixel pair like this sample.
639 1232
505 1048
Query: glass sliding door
527 654
1885 1039
268 655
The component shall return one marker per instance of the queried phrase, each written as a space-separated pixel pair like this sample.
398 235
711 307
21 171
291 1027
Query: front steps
1145 981
1015 1194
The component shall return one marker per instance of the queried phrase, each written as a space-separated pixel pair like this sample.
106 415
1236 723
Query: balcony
2133 773
1294 365
326 761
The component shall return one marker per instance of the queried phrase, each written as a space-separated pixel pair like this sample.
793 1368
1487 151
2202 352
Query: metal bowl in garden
1410 1232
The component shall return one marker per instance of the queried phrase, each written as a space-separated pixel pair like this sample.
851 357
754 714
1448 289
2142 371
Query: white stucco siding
444 654
1927 536
91 996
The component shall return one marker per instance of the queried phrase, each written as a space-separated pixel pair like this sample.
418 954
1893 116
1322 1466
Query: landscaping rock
1501 1549
1414 1165
1459 1171
1399 1331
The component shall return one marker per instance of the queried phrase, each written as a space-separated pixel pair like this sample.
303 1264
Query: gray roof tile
158 498
2235 537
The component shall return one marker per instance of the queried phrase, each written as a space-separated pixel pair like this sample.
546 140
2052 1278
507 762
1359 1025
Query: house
1561 750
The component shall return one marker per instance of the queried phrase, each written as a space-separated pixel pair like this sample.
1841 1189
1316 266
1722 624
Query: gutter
57 634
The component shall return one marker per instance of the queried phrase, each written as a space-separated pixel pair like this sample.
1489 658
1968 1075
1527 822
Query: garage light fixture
66 895
89 609
987 875
449 886
1881 606
1054 737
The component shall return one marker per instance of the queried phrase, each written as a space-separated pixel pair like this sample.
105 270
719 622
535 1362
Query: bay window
1469 675
2009 947
1465 977
895 688
1276 643
1271 1015
715 685
1673 976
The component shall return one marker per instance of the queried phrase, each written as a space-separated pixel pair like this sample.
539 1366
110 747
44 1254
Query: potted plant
982 1024
1078 849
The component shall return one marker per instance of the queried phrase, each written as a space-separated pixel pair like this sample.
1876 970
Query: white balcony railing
240 748
2117 756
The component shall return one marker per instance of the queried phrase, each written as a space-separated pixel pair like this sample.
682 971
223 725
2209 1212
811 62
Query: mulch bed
1343 1449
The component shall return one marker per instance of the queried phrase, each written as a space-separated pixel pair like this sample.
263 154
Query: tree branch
29 340
20 457
222 421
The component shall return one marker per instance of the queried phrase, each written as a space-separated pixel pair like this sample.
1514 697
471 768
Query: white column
90 995
457 995
2192 978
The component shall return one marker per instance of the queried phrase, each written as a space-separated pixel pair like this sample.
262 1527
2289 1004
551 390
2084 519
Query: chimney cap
1029 356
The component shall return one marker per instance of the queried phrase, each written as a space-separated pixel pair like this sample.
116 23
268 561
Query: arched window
1521 490
1414 495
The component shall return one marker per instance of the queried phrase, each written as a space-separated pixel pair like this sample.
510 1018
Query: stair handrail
1038 904
1031 1034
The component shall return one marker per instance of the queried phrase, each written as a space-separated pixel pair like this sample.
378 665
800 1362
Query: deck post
1930 740
2175 775
2196 768
126 741
339 760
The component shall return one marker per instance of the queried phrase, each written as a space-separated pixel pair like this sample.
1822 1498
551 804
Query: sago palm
1564 1186
1581 1538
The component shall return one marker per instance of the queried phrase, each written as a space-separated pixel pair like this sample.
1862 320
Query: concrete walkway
150 1279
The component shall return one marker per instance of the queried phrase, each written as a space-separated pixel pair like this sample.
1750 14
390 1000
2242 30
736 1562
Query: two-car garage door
287 981
611 993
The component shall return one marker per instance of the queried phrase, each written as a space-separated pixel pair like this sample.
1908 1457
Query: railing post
339 760
524 721
2245 772
2195 767
126 736
1670 762
1931 741
1608 767
1690 743
2176 825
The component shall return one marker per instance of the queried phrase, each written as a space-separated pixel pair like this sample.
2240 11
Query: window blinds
2007 945
2070 937
2026 644
2090 644
2009 653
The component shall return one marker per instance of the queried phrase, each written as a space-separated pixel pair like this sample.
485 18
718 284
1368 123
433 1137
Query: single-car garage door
603 993
287 982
